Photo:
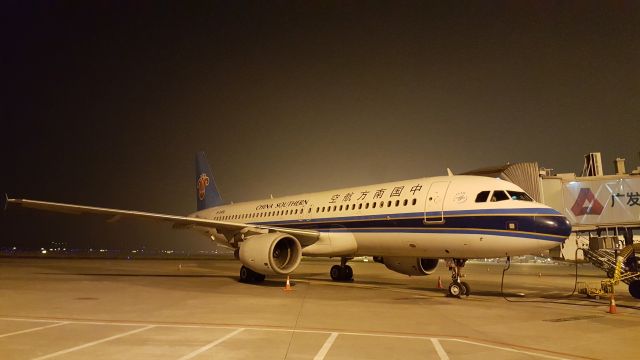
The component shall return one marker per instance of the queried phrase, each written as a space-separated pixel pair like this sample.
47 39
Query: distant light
44 251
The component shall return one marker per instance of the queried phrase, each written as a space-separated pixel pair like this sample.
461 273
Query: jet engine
272 253
408 265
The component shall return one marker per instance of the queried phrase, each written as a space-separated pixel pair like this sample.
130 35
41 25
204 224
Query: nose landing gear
457 288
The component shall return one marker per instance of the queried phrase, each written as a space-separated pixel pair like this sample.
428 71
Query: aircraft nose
553 225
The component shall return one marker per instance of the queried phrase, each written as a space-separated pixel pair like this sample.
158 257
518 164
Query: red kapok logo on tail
203 181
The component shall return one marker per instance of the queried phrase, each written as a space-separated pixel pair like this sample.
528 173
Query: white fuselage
436 217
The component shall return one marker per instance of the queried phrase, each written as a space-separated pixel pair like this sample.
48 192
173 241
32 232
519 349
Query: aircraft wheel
455 289
337 273
245 274
467 289
249 276
634 289
348 272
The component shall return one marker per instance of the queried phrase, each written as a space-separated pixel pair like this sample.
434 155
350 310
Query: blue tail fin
207 194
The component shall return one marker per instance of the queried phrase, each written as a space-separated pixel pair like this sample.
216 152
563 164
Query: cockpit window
499 195
519 195
482 196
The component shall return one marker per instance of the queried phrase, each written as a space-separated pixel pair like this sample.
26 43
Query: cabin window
334 208
374 205
366 206
482 196
353 206
414 201
405 202
499 195
519 195
323 209
397 203
389 203
359 206
381 204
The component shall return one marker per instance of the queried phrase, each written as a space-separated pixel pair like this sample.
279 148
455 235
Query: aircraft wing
306 237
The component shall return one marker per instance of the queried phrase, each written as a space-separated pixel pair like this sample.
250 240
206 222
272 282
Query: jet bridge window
519 195
482 196
499 195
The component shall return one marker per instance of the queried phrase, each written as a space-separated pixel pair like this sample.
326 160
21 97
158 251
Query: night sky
105 103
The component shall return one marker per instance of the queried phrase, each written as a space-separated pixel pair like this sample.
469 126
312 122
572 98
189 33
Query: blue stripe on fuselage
519 234
488 221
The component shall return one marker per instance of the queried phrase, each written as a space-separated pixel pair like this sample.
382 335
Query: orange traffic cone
440 283
612 305
287 287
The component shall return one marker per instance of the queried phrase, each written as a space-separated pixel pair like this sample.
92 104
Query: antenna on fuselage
449 172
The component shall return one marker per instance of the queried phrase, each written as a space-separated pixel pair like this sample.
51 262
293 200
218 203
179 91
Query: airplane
406 225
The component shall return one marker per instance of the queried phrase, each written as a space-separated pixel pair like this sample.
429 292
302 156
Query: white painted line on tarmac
34 329
150 325
209 346
27 319
507 349
436 344
94 343
325 348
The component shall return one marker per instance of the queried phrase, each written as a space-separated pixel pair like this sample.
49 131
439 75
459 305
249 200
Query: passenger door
434 204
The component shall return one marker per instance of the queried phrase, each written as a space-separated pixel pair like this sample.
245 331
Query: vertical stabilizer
207 194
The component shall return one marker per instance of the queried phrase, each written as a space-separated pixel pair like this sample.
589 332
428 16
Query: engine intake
408 265
273 253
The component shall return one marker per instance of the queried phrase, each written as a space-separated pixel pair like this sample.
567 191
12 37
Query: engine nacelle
408 265
272 253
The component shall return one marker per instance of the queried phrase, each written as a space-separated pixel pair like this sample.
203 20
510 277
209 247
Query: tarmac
197 309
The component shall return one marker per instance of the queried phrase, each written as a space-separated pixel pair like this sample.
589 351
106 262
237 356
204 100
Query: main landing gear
342 272
457 288
249 276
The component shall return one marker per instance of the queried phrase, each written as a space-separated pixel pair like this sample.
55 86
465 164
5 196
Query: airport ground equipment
594 292
619 265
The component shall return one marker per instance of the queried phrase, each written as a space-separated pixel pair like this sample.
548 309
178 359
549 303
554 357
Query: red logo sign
586 204
203 181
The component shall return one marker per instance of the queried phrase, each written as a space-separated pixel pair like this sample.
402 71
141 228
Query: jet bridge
604 210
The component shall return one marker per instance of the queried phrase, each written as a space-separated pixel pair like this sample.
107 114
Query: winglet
449 172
